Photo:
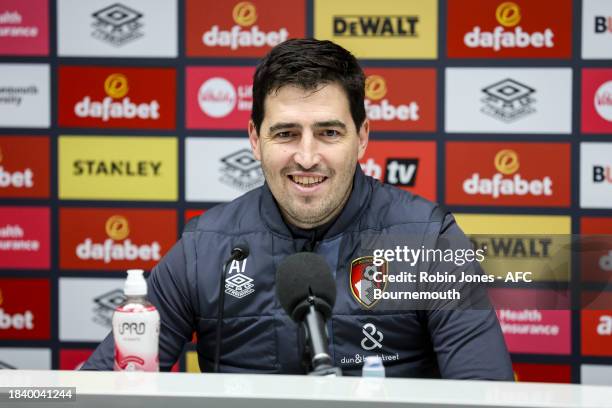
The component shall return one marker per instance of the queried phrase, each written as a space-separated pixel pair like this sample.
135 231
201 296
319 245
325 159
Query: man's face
308 147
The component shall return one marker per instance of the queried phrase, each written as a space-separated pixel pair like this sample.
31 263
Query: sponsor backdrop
121 120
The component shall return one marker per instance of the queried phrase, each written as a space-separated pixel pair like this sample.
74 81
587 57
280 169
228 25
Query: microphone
239 252
306 290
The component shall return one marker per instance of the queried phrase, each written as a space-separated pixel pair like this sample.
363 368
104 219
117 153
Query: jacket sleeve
468 340
169 291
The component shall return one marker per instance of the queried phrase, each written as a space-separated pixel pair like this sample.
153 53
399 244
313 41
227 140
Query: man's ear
254 140
364 135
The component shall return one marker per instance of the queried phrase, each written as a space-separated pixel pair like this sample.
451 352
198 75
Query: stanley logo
508 14
117 227
375 26
375 87
506 161
244 14
116 86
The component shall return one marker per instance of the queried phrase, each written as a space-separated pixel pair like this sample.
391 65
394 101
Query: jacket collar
355 205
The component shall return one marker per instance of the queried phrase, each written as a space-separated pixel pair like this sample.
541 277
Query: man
309 129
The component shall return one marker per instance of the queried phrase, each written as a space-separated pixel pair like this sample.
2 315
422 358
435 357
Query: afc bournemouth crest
363 280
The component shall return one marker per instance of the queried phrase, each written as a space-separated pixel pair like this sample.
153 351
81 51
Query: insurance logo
596 175
24 317
528 328
508 100
596 29
86 307
219 97
596 322
596 100
230 166
406 29
508 174
24 95
390 107
118 168
25 237
509 29
117 97
596 249
127 28
24 166
24 28
410 166
114 239
241 28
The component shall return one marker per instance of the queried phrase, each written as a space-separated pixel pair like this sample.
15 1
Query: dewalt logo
375 26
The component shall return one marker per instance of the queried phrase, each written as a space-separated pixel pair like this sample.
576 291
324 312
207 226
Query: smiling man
309 129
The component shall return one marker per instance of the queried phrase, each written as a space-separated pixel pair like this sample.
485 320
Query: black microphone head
240 251
302 275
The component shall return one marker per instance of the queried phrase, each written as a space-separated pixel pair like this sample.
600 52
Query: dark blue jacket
259 337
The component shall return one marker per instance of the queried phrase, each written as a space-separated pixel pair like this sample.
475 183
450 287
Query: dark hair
308 63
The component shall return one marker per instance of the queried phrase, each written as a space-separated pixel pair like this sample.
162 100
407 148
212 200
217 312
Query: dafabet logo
242 28
484 28
24 166
110 239
24 317
117 97
512 175
390 107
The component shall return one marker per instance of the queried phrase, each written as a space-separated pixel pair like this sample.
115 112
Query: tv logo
399 171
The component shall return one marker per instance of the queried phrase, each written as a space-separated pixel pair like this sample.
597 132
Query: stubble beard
301 211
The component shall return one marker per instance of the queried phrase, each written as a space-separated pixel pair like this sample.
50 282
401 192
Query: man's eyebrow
284 125
330 123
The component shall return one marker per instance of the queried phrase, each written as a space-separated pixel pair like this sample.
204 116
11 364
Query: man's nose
307 154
